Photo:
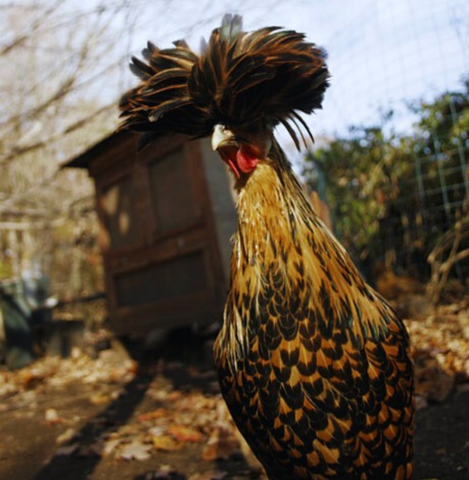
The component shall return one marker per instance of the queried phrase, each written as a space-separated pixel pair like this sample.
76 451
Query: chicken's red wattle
241 160
247 159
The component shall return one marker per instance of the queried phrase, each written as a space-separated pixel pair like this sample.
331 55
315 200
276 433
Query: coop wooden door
161 256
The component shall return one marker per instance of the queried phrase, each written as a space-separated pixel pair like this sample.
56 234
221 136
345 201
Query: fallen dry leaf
158 413
165 472
222 444
213 475
184 434
52 417
165 443
100 398
110 446
67 450
135 450
66 436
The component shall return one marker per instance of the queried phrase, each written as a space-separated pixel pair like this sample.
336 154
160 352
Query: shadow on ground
442 439
114 416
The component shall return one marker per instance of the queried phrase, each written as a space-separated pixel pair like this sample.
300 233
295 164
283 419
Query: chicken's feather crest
267 75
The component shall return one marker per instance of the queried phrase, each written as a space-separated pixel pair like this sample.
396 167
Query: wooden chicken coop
166 215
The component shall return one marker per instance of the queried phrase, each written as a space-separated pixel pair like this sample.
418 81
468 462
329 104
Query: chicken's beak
222 137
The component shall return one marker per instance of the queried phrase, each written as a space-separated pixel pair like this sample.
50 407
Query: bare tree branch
60 134
21 39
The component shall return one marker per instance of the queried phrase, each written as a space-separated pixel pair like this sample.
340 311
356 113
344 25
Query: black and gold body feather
314 365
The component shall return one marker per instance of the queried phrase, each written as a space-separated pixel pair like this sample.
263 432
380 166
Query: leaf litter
177 420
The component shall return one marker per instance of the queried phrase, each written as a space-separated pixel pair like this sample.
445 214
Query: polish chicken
313 364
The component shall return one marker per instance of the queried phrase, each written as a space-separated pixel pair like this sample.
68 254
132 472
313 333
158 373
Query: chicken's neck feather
283 254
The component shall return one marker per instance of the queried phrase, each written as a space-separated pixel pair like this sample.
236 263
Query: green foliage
391 195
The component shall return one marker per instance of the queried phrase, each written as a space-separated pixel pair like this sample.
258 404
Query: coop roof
83 159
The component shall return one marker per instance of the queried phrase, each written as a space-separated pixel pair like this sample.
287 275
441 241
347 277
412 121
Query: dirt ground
109 419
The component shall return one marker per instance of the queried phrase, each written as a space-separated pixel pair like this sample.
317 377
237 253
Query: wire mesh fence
393 157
